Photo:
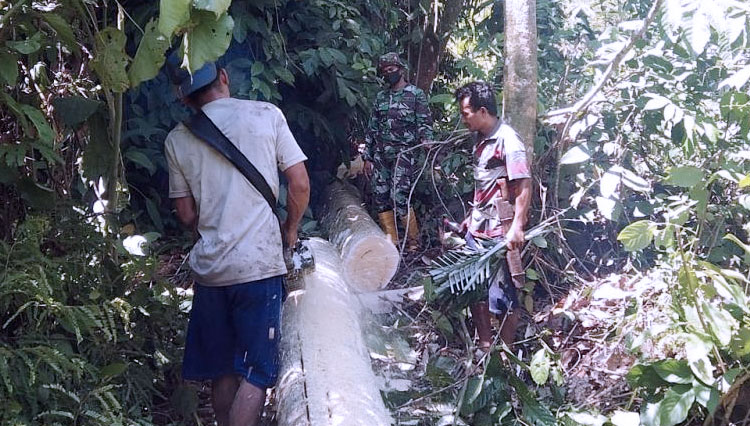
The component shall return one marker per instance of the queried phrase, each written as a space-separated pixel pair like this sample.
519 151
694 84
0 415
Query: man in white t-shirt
237 262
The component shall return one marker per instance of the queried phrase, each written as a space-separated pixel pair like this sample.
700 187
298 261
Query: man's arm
522 189
298 195
186 212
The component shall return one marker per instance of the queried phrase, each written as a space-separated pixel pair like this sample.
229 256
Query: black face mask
393 77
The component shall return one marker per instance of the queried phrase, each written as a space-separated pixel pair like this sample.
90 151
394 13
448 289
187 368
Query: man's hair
198 94
480 94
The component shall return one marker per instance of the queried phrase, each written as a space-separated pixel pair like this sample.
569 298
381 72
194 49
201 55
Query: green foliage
540 366
82 339
208 39
150 55
174 15
636 236
111 61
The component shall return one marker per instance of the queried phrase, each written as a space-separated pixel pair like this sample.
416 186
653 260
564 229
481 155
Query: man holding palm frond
502 175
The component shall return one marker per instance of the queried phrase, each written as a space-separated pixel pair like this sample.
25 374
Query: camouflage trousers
392 179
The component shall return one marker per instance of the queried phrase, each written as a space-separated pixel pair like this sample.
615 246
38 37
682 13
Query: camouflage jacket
399 119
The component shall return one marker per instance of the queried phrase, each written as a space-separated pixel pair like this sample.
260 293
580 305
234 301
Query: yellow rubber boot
388 224
412 230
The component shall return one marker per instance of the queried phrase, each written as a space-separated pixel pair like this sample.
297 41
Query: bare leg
223 390
480 314
509 327
247 405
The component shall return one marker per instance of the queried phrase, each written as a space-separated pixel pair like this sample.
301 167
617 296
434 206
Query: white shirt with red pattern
499 155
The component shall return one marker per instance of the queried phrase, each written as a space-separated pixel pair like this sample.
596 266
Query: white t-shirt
240 239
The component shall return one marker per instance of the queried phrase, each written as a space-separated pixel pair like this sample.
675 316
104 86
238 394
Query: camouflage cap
390 58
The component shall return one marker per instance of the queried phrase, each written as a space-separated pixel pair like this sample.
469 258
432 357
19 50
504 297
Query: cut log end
370 263
369 258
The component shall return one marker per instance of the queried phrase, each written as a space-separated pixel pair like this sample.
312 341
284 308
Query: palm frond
459 271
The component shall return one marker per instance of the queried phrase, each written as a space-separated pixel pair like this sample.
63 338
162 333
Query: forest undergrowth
636 304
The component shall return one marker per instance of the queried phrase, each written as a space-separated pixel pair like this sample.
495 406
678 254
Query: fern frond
18 312
110 327
55 413
30 367
61 389
5 369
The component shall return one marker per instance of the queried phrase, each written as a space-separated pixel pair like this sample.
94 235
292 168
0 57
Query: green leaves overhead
208 40
173 15
685 176
150 55
636 236
209 32
111 61
218 7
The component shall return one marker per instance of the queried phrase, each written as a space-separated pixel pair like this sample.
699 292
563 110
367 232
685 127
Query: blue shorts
235 330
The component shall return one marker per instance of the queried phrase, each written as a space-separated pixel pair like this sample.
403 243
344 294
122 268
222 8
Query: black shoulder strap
205 129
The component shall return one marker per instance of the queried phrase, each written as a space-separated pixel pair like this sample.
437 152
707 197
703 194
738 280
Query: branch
613 65
582 104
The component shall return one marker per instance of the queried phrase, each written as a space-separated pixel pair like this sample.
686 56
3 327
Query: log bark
520 71
368 258
326 376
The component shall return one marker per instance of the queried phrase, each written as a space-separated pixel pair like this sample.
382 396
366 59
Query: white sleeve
178 185
288 152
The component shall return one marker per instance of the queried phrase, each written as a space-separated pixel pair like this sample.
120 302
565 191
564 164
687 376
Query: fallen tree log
369 259
326 377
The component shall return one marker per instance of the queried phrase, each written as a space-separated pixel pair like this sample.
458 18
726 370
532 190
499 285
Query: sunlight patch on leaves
636 236
576 155
218 7
111 61
685 176
540 366
207 41
173 15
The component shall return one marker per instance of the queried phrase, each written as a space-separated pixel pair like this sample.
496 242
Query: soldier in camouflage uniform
400 120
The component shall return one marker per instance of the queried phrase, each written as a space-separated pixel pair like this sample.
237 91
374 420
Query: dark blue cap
187 84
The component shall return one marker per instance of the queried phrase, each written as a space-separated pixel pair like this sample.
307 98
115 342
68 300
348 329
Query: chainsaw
299 260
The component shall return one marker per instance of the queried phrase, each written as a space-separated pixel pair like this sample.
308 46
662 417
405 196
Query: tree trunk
368 258
520 75
436 27
326 377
